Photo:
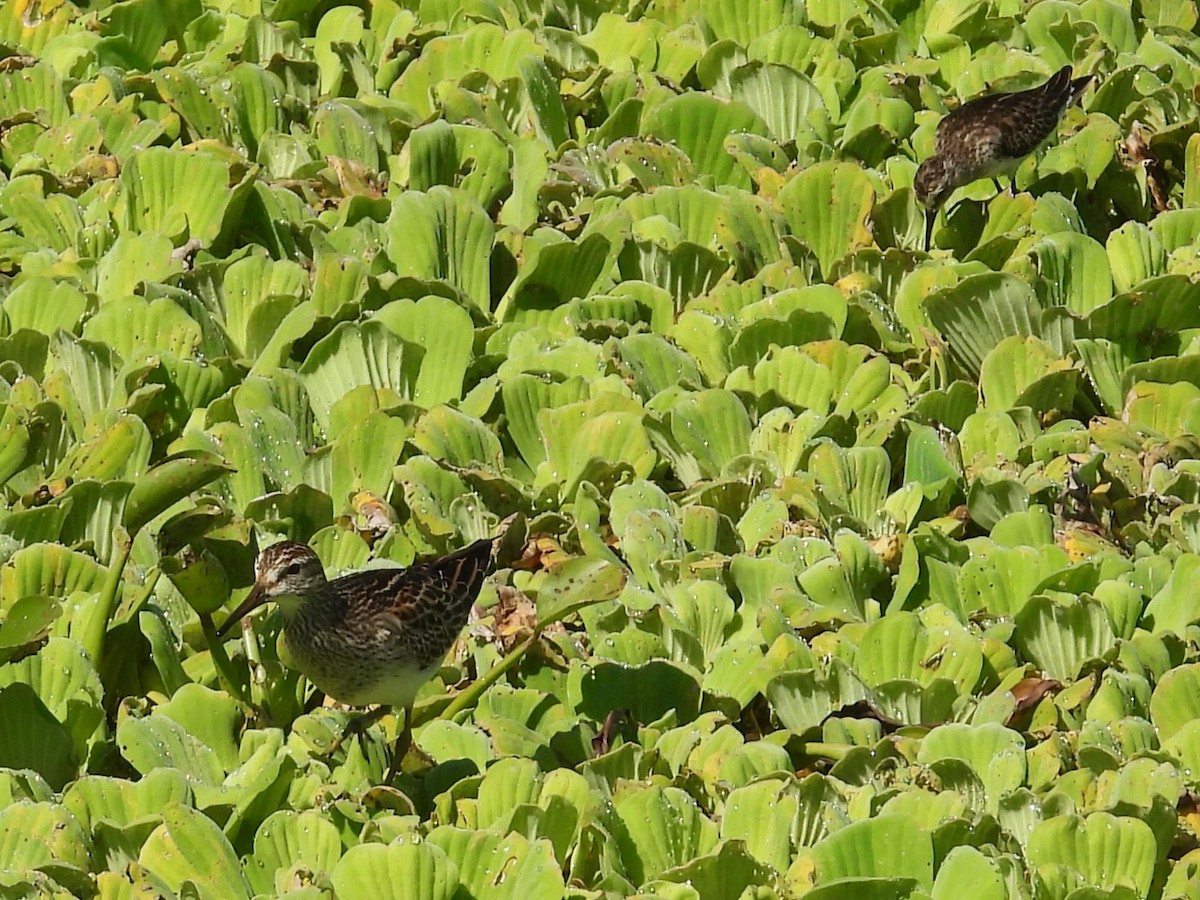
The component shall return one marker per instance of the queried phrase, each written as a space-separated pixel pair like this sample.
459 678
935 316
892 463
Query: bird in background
990 136
371 637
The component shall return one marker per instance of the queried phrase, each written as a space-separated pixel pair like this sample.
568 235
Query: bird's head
289 574
932 183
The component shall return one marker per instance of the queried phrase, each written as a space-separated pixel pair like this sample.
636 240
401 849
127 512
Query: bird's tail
1078 86
1064 89
461 573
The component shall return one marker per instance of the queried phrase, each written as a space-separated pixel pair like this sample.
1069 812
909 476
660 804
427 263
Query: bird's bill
254 599
930 217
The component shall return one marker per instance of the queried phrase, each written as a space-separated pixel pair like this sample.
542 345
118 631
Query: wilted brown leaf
1138 152
1028 692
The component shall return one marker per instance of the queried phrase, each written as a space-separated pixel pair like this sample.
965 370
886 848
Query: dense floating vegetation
854 571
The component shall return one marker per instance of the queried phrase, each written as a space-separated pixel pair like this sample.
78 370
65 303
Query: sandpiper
369 637
989 136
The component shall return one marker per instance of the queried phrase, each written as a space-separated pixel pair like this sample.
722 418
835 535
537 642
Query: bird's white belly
396 688
1000 167
357 679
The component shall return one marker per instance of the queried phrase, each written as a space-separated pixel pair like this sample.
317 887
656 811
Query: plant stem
143 598
225 670
106 604
470 696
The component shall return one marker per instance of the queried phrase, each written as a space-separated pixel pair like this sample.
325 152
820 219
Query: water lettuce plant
846 569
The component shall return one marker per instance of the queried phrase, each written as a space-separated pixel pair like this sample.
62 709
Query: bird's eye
293 569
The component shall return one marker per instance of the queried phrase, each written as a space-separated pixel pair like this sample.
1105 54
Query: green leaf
45 305
186 95
1106 850
524 397
555 274
1060 639
445 331
979 312
121 451
95 798
698 124
209 716
1002 579
258 293
37 87
48 570
482 46
287 840
761 815
81 376
663 829
258 96
713 427
41 836
965 868
729 872
995 754
156 740
899 646
1014 365
34 738
804 699
505 867
352 356
364 456
344 132
443 234
578 433
855 480
743 24
1074 270
1163 305
439 153
648 691
888 846
168 482
26 622
657 364
1176 700
788 102
179 194
132 326
14 435
576 583
445 741
875 125
398 870
189 846
827 206
1135 255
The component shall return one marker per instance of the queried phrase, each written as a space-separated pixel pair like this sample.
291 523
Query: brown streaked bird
369 637
990 136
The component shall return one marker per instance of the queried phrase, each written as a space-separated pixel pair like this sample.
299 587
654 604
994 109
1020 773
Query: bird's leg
1012 184
357 727
930 215
401 747
999 190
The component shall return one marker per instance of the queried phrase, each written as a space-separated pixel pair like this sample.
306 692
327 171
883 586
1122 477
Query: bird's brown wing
425 605
1017 122
963 123
1032 116
969 139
